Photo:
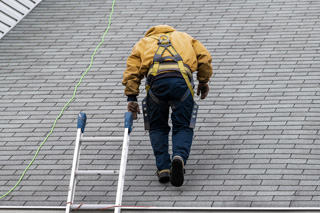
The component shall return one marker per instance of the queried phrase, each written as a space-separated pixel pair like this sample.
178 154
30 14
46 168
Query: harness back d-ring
163 41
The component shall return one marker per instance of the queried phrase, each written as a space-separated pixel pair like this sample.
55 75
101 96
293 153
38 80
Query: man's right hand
133 107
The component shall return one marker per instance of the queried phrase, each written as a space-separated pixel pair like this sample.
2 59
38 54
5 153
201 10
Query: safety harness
160 65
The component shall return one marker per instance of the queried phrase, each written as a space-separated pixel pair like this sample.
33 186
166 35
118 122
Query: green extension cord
65 106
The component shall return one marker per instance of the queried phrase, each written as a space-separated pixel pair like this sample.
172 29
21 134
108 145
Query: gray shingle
255 144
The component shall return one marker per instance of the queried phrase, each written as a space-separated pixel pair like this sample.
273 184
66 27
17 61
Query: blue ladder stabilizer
128 120
82 119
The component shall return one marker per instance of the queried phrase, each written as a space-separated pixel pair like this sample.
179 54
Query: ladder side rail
82 118
122 172
75 165
124 156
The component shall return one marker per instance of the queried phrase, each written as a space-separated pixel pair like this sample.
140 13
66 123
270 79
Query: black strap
145 114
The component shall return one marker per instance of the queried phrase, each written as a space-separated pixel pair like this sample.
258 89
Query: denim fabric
166 90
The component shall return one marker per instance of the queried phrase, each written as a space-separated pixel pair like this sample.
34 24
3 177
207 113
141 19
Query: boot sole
164 179
177 173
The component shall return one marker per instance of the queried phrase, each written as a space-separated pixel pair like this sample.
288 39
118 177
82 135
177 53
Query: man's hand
204 89
133 107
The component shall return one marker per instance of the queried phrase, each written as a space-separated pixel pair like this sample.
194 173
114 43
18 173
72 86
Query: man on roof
167 58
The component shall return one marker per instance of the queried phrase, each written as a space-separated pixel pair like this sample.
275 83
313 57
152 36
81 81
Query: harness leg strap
145 108
146 119
195 108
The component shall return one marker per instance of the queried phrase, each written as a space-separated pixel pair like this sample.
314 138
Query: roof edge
61 209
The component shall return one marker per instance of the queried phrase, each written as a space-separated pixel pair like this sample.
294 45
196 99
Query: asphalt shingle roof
256 142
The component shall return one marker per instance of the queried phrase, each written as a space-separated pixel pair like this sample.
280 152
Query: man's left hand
204 89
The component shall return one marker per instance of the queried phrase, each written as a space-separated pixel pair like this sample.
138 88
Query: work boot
164 175
177 171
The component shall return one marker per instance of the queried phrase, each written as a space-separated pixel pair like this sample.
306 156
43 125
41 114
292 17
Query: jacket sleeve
204 61
132 76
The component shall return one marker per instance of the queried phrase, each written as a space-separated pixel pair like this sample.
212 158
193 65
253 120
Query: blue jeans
166 90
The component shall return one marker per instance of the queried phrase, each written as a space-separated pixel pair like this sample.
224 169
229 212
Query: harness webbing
165 44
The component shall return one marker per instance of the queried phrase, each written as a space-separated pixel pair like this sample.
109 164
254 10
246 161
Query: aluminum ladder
75 165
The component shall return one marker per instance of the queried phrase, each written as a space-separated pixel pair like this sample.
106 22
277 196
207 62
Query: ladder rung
97 172
100 139
92 206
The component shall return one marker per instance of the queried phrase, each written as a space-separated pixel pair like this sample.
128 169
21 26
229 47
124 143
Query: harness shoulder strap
165 44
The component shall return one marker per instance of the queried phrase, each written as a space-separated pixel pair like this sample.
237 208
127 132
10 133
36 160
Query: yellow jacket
193 53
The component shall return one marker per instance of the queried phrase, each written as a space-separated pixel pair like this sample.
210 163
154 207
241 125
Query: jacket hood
159 29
